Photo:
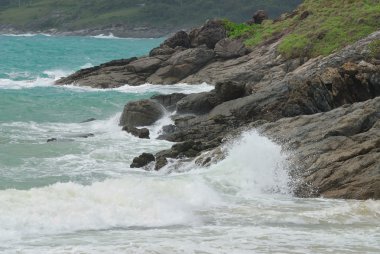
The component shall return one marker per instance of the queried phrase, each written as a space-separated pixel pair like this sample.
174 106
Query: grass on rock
330 25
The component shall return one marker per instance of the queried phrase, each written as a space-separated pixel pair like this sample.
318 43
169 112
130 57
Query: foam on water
103 36
135 200
26 35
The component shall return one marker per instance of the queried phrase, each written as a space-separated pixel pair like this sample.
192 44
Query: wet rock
168 100
88 120
142 160
84 135
140 133
334 154
229 48
86 76
182 121
51 140
160 163
141 113
169 129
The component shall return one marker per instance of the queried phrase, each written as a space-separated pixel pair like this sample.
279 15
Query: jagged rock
200 103
168 100
140 133
142 160
337 153
229 48
183 121
169 129
85 76
259 16
181 64
88 120
162 50
209 34
226 91
160 163
181 39
141 113
144 65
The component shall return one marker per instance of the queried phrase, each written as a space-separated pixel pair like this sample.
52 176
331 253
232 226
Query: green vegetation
329 26
79 14
375 49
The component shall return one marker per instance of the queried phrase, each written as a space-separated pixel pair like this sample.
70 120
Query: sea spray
78 195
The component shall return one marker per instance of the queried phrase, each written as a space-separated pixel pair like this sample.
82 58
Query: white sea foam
29 80
131 201
148 88
20 84
26 35
109 36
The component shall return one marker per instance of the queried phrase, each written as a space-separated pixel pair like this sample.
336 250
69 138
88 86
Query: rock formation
325 111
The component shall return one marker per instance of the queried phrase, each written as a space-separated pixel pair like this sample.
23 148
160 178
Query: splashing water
78 195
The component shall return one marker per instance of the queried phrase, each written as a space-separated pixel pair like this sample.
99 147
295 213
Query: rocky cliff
325 111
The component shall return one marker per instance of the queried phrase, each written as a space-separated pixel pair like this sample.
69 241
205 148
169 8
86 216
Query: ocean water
78 195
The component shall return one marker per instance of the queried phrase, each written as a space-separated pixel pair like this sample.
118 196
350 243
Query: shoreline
117 32
261 89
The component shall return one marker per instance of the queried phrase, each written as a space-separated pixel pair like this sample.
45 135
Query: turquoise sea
78 195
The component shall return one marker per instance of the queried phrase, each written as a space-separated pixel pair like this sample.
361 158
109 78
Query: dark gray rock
179 39
259 16
140 133
141 113
142 160
209 34
160 163
334 154
162 50
229 90
200 103
229 48
88 120
168 100
181 64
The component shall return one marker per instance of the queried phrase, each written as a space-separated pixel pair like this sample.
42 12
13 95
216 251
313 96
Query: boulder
259 16
229 90
144 64
209 34
160 163
140 133
229 48
180 39
168 100
142 160
141 113
199 103
162 50
181 64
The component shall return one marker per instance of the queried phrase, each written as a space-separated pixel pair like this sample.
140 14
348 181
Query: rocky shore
324 111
